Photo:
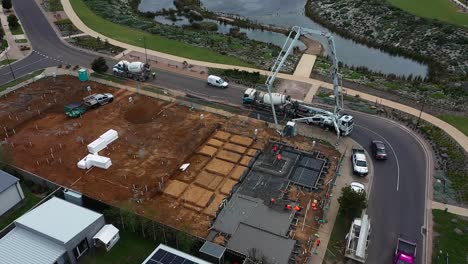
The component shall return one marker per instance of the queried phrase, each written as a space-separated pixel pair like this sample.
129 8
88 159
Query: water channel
276 13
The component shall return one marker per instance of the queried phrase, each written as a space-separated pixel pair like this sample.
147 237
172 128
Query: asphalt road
397 200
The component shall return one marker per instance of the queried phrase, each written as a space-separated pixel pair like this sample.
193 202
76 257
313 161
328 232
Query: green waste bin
83 75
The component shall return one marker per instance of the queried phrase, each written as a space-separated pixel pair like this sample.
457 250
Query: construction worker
154 75
272 201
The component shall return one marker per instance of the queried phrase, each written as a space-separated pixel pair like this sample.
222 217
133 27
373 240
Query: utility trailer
405 252
357 240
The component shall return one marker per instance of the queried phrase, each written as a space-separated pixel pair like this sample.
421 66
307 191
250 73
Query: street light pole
144 44
420 113
9 64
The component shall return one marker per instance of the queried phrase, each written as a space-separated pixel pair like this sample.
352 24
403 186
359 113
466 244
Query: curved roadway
397 198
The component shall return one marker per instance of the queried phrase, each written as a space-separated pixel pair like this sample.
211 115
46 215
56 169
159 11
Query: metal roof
6 180
213 249
21 246
275 248
58 219
167 255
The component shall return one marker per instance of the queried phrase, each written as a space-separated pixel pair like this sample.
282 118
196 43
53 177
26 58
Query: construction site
231 180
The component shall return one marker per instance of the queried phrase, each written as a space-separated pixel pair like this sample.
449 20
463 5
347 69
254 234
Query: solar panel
164 257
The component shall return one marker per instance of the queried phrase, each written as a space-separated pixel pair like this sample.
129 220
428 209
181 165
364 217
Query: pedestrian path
14 53
305 66
450 208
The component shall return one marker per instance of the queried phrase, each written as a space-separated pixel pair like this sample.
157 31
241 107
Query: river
276 13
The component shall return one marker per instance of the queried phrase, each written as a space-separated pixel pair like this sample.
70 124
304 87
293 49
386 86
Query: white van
217 81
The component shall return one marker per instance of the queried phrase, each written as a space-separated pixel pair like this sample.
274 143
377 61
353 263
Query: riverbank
122 24
378 24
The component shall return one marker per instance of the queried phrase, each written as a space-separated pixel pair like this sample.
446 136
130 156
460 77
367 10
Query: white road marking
393 151
25 66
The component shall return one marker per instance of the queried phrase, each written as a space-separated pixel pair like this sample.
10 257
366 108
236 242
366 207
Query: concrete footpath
450 208
457 135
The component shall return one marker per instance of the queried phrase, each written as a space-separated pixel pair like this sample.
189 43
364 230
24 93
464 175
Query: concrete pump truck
301 112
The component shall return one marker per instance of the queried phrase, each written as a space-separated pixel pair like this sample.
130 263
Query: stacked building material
93 159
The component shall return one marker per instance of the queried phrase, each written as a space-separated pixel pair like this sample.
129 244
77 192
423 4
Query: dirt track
155 139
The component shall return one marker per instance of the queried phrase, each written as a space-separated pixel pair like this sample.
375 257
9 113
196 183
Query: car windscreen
381 151
361 163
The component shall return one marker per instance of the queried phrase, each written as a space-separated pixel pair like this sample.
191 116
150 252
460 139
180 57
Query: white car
217 81
359 162
358 187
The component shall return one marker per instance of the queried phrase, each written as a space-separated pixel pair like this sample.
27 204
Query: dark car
378 149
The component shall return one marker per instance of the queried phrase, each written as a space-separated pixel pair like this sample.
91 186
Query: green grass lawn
3 44
55 5
17 30
443 10
5 62
460 122
336 243
108 77
131 248
446 240
29 201
153 42
20 79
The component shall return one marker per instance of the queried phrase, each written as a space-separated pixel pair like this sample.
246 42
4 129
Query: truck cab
405 253
249 96
359 162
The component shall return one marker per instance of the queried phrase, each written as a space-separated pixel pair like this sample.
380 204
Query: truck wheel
110 100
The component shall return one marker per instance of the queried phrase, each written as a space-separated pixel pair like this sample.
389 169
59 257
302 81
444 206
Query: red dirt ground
152 145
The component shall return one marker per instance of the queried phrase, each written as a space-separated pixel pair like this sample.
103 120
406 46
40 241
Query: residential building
10 192
55 232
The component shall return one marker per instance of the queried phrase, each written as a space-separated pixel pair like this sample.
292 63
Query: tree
7 4
352 203
12 21
99 65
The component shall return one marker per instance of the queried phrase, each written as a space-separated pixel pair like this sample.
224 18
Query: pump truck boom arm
285 51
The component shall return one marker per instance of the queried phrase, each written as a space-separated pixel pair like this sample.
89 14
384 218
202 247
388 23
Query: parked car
217 81
359 162
378 149
358 187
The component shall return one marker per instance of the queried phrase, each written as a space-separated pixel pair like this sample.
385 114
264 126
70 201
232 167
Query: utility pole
144 44
9 64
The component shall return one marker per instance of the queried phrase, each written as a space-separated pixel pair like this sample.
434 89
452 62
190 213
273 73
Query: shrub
12 21
352 203
7 4
99 65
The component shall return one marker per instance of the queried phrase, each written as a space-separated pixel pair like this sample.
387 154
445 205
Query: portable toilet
83 75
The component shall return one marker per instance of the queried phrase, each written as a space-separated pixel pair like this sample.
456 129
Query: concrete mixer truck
261 100
136 70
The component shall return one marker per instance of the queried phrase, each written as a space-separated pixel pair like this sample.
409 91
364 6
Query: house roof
277 249
21 246
6 180
213 249
106 233
58 219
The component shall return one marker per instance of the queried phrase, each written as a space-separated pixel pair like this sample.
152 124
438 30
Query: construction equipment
405 252
357 239
77 109
262 100
136 70
343 124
